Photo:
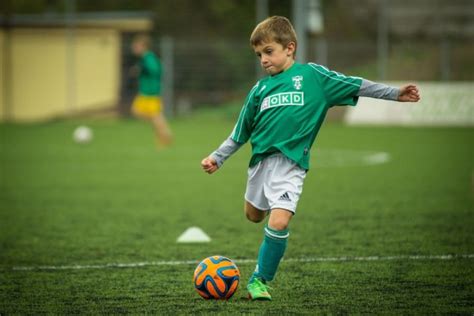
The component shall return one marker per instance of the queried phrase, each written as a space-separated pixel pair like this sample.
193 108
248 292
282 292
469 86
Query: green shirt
150 75
283 113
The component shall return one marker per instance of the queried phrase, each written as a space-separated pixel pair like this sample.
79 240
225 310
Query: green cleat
258 290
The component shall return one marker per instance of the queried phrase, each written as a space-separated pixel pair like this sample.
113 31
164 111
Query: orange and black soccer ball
216 277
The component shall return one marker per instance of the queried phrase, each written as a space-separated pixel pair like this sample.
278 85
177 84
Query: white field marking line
239 261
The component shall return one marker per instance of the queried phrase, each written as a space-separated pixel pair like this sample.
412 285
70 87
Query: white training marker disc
193 234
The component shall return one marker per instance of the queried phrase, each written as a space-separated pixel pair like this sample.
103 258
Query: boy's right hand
209 165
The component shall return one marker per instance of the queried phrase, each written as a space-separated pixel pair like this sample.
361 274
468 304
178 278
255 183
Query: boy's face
274 57
138 48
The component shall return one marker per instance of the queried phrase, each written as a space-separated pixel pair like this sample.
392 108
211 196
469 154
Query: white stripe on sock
271 234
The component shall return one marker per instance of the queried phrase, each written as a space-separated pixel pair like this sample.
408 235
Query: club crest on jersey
297 82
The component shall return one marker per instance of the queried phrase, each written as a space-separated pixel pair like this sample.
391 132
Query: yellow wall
97 69
42 85
38 82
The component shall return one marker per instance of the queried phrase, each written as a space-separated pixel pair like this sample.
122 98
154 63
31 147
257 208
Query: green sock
271 251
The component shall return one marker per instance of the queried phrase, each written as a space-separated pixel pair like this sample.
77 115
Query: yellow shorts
148 106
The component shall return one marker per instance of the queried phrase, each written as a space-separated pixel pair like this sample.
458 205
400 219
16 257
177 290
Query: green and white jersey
283 113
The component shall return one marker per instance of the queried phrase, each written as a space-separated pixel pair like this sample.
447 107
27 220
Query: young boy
147 104
281 117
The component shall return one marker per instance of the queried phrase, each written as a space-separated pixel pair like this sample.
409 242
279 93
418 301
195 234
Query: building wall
54 73
97 69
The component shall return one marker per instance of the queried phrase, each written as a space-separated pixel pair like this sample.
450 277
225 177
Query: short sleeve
338 88
243 128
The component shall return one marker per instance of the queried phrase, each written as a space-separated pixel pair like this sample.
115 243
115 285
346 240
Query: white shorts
275 182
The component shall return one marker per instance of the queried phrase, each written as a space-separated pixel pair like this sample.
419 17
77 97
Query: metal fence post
300 23
382 40
167 79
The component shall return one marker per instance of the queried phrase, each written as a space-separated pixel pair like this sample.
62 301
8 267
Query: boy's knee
280 219
278 224
253 214
254 217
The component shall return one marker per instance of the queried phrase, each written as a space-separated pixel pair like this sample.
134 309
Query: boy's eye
268 52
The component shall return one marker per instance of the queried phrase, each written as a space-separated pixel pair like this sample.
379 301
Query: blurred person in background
147 104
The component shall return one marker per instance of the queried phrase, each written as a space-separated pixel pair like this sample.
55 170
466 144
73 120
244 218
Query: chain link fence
376 39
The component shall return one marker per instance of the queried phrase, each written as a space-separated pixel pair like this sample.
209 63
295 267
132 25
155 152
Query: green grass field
118 200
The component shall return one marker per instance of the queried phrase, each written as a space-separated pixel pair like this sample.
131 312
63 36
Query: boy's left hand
409 93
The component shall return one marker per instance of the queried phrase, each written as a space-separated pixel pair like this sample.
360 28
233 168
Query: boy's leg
254 214
271 251
280 219
274 244
282 183
162 130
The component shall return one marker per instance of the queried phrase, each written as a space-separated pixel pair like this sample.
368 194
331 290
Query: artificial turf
120 200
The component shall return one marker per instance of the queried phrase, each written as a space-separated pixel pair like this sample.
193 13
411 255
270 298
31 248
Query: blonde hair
274 29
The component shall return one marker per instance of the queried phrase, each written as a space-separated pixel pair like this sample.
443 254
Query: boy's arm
217 158
407 93
225 150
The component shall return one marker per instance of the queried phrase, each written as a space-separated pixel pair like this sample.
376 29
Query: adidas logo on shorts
284 197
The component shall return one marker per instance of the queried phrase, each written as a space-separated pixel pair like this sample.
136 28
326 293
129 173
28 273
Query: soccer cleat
258 290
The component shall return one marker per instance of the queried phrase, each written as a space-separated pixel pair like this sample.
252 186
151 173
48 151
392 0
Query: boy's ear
291 48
